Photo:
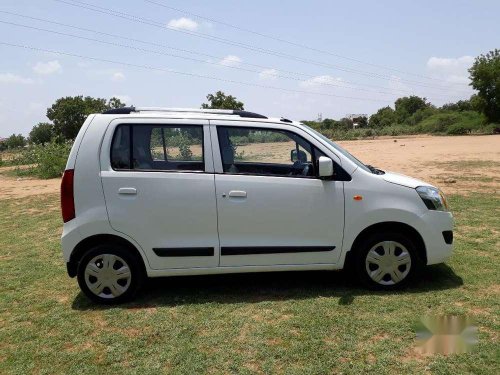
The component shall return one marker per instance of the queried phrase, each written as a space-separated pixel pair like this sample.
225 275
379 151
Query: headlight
433 198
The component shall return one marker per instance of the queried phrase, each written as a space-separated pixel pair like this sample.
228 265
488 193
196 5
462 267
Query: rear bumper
437 232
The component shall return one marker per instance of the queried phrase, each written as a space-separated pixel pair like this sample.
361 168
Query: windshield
339 149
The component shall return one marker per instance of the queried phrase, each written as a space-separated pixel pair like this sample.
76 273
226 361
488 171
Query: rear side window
158 147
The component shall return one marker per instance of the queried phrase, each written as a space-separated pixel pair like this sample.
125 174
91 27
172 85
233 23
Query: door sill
241 269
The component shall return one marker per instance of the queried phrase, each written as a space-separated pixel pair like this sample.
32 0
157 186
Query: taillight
67 198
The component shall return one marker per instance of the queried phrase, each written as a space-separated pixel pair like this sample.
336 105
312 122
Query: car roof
194 113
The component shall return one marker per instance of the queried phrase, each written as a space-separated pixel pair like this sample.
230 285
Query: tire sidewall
366 245
124 253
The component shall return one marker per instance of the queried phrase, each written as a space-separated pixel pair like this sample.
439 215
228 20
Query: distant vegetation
414 115
424 118
45 151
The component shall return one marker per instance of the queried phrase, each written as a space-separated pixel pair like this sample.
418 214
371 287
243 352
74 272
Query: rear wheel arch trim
99 239
389 226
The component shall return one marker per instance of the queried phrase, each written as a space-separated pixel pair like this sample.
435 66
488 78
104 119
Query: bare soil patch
455 164
22 187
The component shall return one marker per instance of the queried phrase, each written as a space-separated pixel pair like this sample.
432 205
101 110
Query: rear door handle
238 194
127 191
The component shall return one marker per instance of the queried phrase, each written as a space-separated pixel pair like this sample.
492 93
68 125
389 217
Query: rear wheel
387 261
109 274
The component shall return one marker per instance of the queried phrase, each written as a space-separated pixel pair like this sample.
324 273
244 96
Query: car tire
110 274
387 261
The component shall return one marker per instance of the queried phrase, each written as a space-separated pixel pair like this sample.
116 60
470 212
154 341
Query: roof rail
120 111
247 114
236 112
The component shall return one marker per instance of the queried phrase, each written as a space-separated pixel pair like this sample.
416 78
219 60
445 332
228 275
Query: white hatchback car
151 192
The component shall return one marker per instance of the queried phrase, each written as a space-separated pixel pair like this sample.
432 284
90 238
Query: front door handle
127 191
237 194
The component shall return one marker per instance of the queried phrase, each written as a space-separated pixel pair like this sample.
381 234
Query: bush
458 129
184 149
47 161
441 122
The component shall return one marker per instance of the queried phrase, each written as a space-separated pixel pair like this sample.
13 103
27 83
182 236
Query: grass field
290 323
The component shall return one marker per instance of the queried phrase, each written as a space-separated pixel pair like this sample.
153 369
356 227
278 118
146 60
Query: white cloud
118 77
268 74
231 60
453 70
46 68
14 78
124 98
447 63
183 24
321 81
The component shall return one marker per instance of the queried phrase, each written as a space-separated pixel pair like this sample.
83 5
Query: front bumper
436 228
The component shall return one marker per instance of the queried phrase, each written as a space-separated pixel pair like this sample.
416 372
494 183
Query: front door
272 207
160 191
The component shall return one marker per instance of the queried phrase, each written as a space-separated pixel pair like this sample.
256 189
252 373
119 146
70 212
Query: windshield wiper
374 170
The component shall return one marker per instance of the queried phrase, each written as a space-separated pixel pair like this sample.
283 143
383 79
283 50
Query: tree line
67 115
412 113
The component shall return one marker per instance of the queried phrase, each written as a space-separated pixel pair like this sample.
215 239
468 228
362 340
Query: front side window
158 147
262 151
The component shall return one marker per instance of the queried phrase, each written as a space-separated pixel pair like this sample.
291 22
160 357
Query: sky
293 59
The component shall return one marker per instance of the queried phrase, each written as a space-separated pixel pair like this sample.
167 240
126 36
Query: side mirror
298 156
325 167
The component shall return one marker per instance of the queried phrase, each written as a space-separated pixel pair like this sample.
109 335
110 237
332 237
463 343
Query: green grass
289 323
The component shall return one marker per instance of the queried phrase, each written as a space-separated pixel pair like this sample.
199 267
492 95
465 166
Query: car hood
401 179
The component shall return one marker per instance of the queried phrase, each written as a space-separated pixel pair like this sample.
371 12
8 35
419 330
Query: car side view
153 192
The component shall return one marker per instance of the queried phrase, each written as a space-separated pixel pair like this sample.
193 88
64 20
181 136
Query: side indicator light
357 197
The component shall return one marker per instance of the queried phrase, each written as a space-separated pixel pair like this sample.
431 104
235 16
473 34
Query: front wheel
387 261
109 274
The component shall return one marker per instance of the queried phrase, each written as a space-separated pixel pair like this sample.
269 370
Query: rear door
272 207
158 182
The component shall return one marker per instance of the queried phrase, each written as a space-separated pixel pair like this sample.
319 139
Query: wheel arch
99 239
388 226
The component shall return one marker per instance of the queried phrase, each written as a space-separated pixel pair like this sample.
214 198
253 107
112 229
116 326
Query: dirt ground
455 164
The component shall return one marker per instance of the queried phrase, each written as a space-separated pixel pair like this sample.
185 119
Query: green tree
328 123
114 102
460 106
344 123
15 141
407 106
184 148
42 133
361 121
222 101
383 117
69 113
485 78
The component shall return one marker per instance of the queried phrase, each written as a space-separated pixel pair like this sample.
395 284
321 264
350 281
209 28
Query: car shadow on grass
269 286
